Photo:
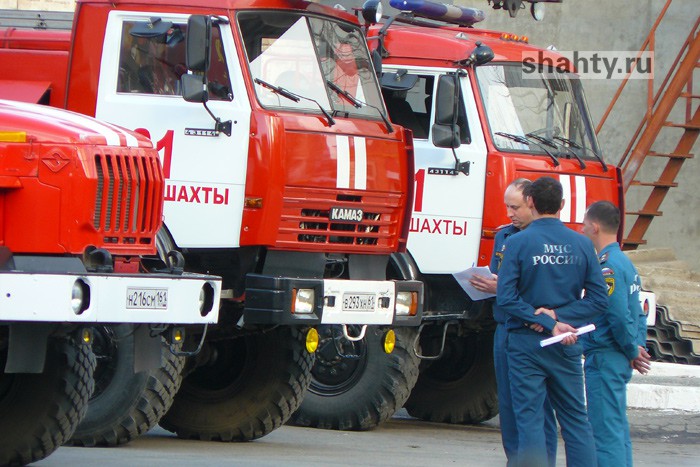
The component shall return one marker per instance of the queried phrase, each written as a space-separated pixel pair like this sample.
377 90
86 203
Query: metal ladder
677 86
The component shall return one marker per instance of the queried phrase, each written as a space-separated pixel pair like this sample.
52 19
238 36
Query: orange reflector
489 233
253 203
13 136
414 304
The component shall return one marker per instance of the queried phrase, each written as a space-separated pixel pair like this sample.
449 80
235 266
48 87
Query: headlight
303 301
406 303
80 297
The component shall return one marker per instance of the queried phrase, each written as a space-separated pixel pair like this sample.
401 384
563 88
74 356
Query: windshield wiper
578 146
554 145
343 93
526 140
277 90
357 103
294 97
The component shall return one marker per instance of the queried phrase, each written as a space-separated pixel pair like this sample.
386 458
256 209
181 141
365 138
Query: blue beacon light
438 11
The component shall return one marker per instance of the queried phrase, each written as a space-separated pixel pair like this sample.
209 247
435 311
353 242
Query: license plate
359 302
151 299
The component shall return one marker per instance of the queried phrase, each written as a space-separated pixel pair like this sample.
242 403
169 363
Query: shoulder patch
603 258
608 272
610 282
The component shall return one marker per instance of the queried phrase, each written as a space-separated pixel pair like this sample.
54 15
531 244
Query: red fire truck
81 202
283 175
481 116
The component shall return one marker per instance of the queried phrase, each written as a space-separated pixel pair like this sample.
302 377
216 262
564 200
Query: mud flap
147 349
27 347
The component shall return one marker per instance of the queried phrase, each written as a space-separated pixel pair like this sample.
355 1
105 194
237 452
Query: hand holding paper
463 279
561 337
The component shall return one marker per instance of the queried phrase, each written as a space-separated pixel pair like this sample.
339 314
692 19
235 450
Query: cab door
143 58
447 213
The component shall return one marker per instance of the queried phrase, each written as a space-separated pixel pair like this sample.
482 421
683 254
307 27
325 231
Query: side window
154 65
412 108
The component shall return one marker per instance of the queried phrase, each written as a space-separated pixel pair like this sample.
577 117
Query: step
668 386
679 302
687 126
686 281
644 213
655 184
652 254
628 242
670 271
670 155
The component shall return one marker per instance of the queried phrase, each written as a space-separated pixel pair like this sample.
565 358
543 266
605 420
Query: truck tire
359 393
39 412
250 388
460 387
125 404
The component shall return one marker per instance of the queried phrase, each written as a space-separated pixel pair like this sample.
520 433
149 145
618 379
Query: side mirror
447 99
446 136
193 88
198 43
445 130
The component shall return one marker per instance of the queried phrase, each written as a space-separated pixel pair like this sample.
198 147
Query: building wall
51 5
623 25
597 25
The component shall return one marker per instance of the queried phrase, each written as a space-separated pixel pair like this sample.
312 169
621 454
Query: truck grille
306 220
128 202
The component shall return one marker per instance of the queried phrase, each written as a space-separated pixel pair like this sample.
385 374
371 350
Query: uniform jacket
498 244
549 265
623 326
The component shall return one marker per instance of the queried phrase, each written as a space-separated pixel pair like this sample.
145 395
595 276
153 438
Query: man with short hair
544 272
617 344
520 216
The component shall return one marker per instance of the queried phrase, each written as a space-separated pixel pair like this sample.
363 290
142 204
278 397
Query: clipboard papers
463 280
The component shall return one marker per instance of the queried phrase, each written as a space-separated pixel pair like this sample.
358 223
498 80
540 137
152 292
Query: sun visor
398 81
25 91
154 27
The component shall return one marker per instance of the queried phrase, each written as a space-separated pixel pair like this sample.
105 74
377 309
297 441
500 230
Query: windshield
536 108
302 54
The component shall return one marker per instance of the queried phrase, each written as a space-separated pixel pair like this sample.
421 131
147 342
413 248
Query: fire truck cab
485 108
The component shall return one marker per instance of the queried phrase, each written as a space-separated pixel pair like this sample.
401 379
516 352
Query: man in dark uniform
617 344
520 216
544 272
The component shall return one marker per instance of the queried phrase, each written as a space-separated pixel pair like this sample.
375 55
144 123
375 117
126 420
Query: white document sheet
463 280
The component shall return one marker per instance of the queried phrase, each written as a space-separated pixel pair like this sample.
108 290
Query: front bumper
268 300
111 298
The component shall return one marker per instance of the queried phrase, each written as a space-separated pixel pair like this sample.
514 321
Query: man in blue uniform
520 216
617 344
544 272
